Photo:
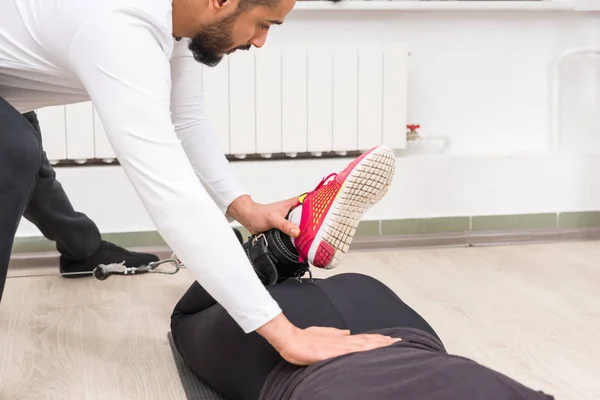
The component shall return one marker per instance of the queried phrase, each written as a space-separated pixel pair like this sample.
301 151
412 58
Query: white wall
482 79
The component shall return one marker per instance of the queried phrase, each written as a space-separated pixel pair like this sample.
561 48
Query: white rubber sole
364 187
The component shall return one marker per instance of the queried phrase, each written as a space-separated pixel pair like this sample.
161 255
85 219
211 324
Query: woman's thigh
364 304
237 364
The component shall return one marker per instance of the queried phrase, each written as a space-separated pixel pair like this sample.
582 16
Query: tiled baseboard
410 232
39 244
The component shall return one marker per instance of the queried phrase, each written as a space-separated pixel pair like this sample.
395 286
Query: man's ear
219 5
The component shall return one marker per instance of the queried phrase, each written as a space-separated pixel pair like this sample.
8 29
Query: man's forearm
211 167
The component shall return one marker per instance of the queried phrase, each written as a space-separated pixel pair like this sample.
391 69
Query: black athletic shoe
108 253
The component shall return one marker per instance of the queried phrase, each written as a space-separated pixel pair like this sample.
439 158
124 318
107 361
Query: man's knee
20 148
21 156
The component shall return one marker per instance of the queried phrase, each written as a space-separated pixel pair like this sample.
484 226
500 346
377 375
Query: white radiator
296 99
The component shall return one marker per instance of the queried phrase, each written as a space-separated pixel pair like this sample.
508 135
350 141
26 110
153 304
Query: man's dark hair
249 4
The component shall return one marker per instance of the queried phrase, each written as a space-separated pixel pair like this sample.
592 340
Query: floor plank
531 312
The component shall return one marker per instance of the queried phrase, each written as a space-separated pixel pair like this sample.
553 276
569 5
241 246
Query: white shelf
588 5
449 5
448 154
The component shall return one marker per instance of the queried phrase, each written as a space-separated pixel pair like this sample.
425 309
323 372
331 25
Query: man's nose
259 40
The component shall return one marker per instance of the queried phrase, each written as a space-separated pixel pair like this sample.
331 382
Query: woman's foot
329 215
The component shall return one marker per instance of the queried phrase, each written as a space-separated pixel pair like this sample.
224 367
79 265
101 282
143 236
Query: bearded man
139 62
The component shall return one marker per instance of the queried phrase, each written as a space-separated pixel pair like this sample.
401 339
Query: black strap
272 260
263 261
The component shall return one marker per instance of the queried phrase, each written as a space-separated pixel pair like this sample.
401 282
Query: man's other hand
259 218
314 344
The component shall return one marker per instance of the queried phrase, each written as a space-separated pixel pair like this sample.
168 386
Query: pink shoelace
323 182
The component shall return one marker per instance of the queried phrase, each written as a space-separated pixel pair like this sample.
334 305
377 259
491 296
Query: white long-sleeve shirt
147 89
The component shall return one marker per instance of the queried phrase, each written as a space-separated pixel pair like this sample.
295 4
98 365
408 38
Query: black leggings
237 364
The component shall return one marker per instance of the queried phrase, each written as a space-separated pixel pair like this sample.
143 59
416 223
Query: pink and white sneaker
329 215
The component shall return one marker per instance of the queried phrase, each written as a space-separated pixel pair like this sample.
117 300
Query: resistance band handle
102 272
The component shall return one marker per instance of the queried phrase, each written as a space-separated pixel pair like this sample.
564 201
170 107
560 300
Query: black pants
237 364
28 188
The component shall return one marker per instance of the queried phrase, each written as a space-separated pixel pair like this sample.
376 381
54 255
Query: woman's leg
237 364
365 304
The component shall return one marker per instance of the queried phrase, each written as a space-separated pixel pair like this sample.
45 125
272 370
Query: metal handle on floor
102 272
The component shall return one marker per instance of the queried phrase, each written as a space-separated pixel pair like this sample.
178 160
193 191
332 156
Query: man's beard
211 43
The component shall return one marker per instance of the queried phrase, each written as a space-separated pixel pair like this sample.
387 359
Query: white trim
424 186
417 5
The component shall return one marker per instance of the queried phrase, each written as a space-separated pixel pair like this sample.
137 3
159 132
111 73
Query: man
77 237
145 85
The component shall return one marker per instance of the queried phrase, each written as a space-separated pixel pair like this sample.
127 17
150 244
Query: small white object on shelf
432 145
417 144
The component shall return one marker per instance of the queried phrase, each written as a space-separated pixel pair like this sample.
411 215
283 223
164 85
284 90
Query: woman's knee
359 288
358 281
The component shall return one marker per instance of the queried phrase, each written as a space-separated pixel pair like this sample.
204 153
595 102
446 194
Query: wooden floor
531 312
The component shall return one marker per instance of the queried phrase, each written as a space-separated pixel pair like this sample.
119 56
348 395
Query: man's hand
314 344
259 218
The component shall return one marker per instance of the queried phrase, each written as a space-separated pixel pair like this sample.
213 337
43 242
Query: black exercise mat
194 387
